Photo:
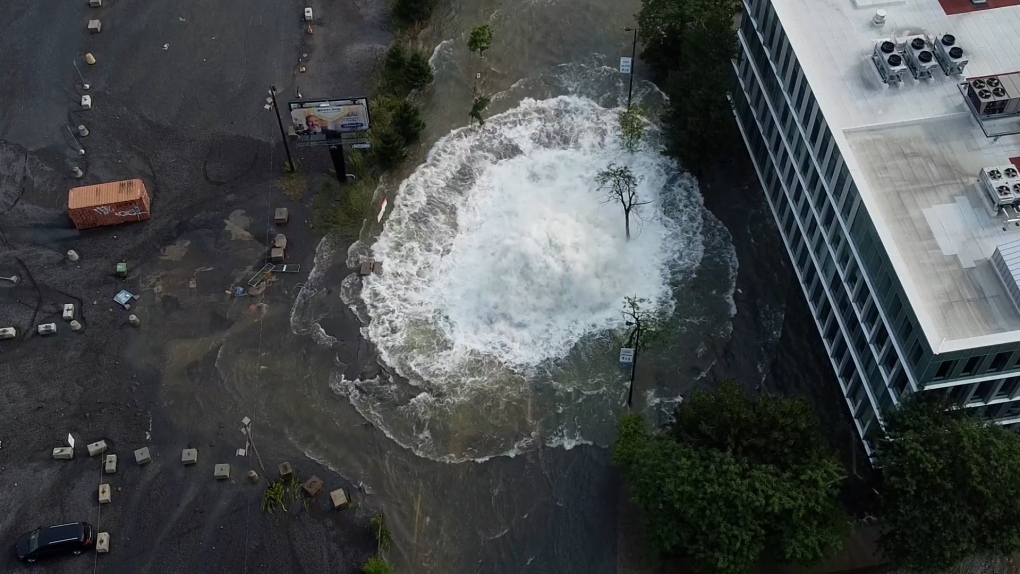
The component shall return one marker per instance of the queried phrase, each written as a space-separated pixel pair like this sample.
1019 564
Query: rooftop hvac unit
1002 184
889 61
920 58
988 95
950 56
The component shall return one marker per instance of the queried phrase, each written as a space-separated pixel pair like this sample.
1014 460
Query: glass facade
867 325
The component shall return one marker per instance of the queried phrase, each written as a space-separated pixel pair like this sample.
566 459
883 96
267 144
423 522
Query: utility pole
633 60
636 336
283 134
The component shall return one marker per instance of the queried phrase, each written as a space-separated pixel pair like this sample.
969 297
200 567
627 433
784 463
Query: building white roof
915 151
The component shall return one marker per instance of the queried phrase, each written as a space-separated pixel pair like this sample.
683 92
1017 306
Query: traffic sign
625 65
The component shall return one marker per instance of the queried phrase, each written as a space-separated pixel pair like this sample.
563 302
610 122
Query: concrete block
221 471
280 241
286 470
63 453
276 255
86 102
75 326
96 3
142 456
189 456
253 477
134 321
281 216
308 15
339 498
105 494
47 328
366 266
110 465
95 26
8 333
103 543
68 311
312 486
377 268
98 447
72 256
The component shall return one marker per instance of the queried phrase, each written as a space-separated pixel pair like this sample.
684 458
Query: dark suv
47 541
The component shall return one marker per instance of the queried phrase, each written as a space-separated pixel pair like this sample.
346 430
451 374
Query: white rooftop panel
915 152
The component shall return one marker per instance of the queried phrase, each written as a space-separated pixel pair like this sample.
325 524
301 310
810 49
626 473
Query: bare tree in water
620 185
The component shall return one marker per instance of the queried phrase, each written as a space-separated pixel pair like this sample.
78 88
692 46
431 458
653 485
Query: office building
885 138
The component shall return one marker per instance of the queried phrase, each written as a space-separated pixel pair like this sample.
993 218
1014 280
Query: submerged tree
948 484
632 128
480 39
620 185
477 107
741 478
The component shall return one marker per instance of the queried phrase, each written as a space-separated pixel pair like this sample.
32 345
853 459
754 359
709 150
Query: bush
405 70
381 533
390 149
407 122
410 12
377 566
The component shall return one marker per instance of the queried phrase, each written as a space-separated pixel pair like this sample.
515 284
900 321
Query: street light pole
633 60
286 146
633 366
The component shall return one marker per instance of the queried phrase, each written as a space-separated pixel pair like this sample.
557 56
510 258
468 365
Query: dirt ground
178 96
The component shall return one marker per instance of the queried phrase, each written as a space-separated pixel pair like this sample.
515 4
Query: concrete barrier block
72 256
8 333
339 498
86 102
221 471
312 486
63 453
286 470
96 3
47 329
189 456
68 311
75 326
281 215
98 447
142 456
276 255
95 26
103 543
110 465
105 494
309 15
253 477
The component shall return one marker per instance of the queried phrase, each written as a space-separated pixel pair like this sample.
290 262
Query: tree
407 122
638 312
706 491
410 12
632 128
477 107
677 33
419 71
480 40
621 185
947 488
390 149
404 70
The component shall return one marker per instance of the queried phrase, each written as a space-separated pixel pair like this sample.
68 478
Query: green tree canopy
739 479
948 487
480 39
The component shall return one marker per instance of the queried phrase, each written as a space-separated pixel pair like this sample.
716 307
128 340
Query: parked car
46 541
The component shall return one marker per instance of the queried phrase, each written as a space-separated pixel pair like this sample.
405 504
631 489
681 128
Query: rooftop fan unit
920 57
950 56
988 96
1001 185
889 61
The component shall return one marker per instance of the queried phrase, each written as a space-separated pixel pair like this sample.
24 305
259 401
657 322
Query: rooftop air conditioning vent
1016 189
890 62
1002 190
950 56
1001 187
994 174
919 57
1010 173
988 96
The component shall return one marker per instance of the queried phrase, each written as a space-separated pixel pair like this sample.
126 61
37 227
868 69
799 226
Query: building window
944 370
999 362
971 365
916 353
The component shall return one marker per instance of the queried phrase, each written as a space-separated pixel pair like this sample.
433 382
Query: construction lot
177 100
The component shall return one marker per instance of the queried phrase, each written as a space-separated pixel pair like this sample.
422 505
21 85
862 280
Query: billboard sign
325 122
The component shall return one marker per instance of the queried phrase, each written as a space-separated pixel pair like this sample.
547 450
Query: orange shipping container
108 203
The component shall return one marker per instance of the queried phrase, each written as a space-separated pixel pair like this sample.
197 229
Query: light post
283 134
633 53
635 335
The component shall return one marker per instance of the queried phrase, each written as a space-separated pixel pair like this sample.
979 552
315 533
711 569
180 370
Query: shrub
377 566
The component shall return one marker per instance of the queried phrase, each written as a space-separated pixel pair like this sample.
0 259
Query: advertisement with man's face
322 122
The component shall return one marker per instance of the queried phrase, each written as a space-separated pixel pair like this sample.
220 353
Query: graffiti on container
133 212
103 210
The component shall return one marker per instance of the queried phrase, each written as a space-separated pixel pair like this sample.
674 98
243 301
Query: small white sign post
627 356
625 64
